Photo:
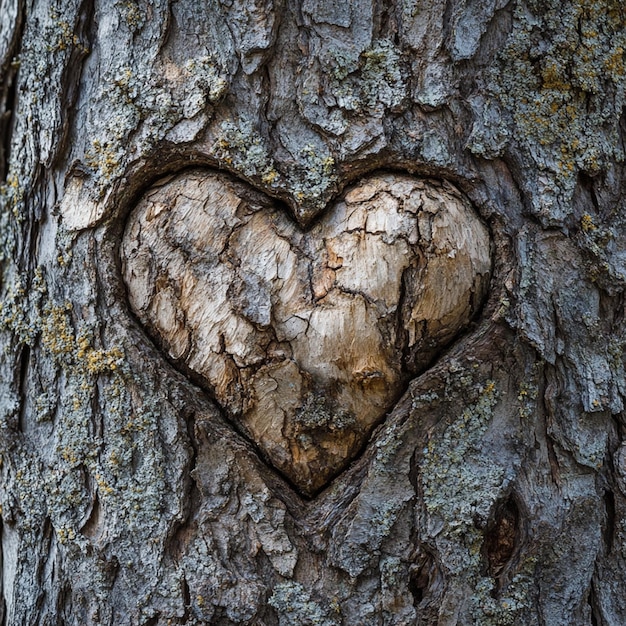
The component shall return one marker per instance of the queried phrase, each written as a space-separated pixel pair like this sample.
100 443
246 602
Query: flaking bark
491 489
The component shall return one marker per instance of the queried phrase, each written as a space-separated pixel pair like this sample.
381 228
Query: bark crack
8 93
24 362
502 542
3 605
610 516
8 103
70 78
591 601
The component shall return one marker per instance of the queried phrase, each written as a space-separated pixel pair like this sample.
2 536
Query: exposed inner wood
306 339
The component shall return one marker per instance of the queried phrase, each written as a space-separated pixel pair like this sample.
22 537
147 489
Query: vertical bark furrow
502 541
24 364
80 46
610 520
8 98
11 31
3 606
593 616
126 499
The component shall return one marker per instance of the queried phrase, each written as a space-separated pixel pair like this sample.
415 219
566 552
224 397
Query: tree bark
312 312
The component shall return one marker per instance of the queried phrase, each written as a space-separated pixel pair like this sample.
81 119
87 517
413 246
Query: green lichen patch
461 485
459 482
561 80
128 425
20 498
512 606
316 412
148 104
312 177
243 149
295 607
20 308
134 15
371 81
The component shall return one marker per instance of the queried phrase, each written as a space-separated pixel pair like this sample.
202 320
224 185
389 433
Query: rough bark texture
482 476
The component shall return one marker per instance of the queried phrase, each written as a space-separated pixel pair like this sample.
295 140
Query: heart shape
305 338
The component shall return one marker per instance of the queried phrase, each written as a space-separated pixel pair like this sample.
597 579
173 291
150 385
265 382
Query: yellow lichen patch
566 101
553 78
69 456
614 63
13 192
104 487
489 388
63 36
57 336
59 339
103 158
586 223
269 177
97 361
65 534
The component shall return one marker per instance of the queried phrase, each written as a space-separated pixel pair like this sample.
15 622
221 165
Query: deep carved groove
609 529
502 537
23 382
7 111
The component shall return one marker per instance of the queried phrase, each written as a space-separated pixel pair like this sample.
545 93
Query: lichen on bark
128 498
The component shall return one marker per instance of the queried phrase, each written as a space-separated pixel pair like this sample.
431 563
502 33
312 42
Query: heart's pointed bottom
319 436
306 339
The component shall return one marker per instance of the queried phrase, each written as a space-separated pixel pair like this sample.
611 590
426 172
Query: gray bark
492 492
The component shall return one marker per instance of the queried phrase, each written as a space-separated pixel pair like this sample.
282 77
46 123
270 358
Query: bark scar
303 336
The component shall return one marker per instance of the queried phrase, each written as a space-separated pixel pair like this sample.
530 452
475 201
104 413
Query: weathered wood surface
494 490
305 338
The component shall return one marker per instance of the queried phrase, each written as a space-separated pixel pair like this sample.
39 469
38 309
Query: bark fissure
177 445
24 364
423 575
186 599
610 522
7 108
595 620
502 542
81 44
9 67
3 605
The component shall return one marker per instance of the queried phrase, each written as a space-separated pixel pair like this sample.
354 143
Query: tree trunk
312 312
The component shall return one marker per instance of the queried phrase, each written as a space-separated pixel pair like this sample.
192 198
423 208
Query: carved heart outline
305 338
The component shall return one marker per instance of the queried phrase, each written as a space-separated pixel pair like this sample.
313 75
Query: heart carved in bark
306 338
